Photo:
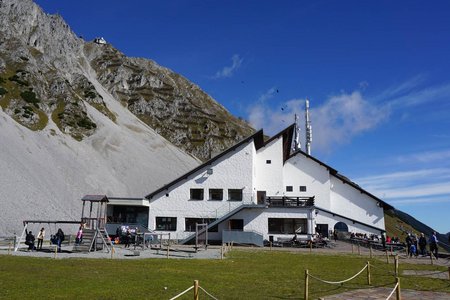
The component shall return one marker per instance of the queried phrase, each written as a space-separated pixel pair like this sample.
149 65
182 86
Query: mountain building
263 190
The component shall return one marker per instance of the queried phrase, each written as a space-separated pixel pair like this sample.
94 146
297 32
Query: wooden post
168 246
195 289
387 257
448 273
306 284
310 246
221 252
270 244
9 248
359 249
398 293
368 273
391 249
396 265
370 250
56 250
352 247
431 258
112 252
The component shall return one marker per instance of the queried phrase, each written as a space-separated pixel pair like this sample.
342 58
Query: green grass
243 275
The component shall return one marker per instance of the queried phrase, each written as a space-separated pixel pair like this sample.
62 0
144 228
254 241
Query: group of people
418 245
56 239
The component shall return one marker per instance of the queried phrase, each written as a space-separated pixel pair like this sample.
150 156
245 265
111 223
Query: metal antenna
297 144
308 128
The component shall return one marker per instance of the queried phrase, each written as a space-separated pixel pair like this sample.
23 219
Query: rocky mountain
80 117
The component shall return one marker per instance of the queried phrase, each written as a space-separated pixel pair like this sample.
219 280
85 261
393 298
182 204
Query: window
196 194
166 223
191 222
235 195
289 188
303 188
268 161
216 194
287 226
236 224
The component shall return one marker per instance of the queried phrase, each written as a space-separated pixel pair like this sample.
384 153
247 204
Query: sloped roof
95 198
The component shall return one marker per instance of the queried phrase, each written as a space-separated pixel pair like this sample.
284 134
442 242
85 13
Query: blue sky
376 73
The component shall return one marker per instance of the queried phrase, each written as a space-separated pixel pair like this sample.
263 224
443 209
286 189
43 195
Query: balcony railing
285 201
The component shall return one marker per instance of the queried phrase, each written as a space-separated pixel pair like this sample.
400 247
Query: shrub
3 91
29 97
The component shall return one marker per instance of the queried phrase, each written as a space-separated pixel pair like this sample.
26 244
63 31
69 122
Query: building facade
264 188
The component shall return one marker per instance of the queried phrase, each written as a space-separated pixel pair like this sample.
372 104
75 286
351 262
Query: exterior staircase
221 219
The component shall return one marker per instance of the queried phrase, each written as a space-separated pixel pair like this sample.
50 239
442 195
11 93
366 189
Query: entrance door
322 229
236 224
261 196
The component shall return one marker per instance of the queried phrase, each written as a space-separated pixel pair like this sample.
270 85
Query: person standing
40 238
433 245
59 238
408 244
79 236
422 244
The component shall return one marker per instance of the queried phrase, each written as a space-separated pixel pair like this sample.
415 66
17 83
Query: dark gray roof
95 198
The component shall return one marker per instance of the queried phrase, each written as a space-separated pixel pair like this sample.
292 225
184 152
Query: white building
263 189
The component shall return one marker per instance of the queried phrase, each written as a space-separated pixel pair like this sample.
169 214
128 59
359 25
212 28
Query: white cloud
228 71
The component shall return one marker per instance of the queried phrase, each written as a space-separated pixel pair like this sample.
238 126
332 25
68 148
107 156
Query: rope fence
396 289
196 288
339 282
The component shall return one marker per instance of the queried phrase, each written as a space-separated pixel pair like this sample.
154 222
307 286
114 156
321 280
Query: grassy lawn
245 274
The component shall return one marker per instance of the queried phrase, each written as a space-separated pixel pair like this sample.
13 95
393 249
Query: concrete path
383 293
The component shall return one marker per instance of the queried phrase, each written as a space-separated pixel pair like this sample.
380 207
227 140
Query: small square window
268 161
196 194
235 195
303 188
216 194
289 188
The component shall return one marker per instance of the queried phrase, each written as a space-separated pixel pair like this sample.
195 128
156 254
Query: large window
216 194
235 195
196 194
289 188
287 226
166 223
191 222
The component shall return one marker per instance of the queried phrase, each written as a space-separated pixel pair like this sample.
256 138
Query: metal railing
284 201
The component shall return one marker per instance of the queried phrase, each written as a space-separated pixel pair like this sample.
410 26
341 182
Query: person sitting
294 239
29 240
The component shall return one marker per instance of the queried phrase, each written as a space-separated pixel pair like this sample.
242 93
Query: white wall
269 177
232 171
348 201
300 170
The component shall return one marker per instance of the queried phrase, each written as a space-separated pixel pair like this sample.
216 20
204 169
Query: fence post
359 249
352 248
15 241
431 257
56 250
306 284
195 289
398 293
221 251
9 250
387 257
270 243
448 273
112 252
310 246
370 250
396 265
368 273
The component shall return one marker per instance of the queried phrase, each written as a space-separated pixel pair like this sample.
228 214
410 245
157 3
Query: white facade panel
269 168
303 171
349 201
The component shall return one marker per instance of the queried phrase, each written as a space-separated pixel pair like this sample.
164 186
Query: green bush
3 91
29 97
86 123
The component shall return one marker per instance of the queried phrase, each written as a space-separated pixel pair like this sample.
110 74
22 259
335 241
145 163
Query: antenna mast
297 144
308 128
